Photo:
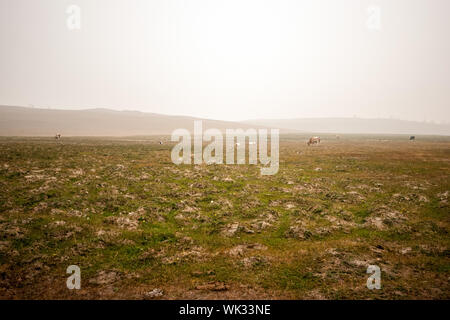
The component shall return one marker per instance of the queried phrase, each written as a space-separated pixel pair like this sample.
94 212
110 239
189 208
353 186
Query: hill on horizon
355 126
25 121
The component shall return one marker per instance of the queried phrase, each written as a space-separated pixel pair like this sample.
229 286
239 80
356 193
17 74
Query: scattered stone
251 262
237 251
298 232
290 206
231 229
148 254
189 209
247 230
359 263
105 277
57 224
76 213
126 222
443 199
406 250
260 225
196 253
443 195
155 293
56 212
76 173
384 218
240 249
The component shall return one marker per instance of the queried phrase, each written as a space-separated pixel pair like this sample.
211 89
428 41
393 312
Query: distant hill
22 121
356 125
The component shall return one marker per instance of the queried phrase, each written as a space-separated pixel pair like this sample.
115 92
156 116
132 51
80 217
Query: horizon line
69 108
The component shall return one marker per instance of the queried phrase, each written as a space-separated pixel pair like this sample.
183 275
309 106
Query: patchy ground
140 227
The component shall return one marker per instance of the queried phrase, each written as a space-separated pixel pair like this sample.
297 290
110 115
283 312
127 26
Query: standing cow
313 140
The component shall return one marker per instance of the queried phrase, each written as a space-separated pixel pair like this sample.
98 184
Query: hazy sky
231 59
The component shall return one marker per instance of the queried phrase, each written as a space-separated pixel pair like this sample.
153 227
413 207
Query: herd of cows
312 141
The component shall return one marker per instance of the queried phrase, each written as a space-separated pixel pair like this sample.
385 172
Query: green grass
115 205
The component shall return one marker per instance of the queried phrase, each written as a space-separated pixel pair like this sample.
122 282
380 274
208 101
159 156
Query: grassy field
134 222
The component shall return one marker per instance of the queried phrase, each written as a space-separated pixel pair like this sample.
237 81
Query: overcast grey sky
231 59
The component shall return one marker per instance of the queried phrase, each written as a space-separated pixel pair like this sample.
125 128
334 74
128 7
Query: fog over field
230 60
19 121
356 125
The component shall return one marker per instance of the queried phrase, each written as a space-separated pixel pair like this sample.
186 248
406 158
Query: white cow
313 140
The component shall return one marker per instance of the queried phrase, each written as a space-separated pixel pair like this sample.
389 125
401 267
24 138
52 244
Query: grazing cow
160 142
313 140
57 136
412 138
